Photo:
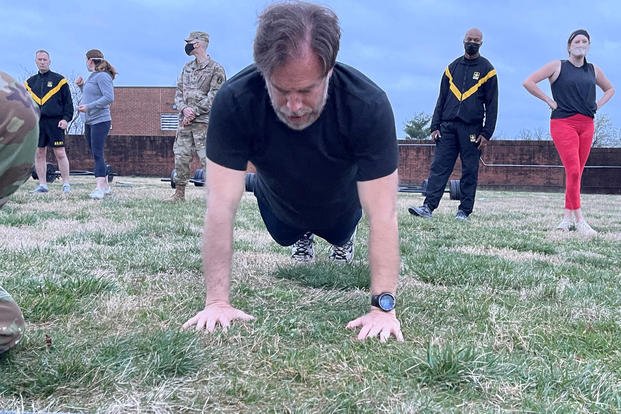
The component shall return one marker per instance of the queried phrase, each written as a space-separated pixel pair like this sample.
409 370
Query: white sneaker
565 225
344 253
584 229
98 194
303 250
108 191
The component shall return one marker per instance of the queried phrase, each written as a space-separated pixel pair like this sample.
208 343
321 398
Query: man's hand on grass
377 323
216 314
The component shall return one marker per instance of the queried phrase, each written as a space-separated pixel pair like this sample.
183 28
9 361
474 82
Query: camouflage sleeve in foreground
19 135
12 323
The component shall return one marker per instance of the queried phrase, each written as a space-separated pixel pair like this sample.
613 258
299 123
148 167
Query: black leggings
95 136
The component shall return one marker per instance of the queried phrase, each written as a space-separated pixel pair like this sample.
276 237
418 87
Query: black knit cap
576 33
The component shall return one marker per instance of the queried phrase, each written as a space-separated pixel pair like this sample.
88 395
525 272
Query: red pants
572 138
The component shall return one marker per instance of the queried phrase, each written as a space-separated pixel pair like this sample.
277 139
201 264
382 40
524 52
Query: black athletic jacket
468 93
51 92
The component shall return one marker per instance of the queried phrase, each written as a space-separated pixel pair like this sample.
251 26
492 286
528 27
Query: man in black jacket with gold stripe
51 92
463 121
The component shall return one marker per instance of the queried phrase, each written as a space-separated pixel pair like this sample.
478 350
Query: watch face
386 302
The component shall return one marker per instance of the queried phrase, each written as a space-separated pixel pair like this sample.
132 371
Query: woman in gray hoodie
97 95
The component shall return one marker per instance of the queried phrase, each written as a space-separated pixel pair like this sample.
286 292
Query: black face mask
189 47
471 48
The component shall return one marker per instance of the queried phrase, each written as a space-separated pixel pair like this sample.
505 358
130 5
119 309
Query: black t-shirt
307 178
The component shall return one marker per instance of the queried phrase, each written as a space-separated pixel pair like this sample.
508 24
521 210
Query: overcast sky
402 45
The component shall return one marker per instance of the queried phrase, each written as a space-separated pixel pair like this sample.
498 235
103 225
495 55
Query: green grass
499 314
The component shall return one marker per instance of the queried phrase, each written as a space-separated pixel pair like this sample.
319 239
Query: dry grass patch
507 254
50 231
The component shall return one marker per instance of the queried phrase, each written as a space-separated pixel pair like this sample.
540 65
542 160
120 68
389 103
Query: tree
605 134
418 127
537 134
76 125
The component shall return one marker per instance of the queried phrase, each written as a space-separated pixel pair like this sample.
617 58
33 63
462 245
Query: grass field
499 314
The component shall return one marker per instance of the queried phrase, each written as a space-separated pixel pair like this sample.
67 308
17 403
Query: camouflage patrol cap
19 134
198 36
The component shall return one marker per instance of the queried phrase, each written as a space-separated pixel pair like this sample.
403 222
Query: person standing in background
463 121
573 105
51 92
197 86
97 95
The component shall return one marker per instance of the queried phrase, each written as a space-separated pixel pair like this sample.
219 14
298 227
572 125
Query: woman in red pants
573 106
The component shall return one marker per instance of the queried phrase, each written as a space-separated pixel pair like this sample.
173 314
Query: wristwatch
385 301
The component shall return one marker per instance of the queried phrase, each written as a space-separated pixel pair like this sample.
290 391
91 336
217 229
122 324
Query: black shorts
49 133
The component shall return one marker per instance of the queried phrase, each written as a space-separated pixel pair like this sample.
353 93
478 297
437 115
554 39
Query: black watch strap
385 301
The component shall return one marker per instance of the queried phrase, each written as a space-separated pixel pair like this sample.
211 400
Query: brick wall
520 165
523 165
127 155
136 110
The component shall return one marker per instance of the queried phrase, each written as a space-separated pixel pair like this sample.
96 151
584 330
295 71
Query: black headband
578 32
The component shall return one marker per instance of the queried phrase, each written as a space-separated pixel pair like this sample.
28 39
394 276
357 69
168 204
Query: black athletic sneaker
423 211
40 189
461 215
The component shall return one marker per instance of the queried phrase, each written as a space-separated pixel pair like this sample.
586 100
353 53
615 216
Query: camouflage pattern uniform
12 323
19 135
196 88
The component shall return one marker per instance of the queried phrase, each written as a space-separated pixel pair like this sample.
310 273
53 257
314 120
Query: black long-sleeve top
51 92
468 93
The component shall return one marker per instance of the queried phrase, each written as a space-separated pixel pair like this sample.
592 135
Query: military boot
179 193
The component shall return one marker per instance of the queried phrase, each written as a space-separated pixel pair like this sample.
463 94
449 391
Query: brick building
144 111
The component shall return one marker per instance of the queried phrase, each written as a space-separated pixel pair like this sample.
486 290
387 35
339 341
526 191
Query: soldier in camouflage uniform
19 134
197 86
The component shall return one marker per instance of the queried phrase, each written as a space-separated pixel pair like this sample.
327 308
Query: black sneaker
423 211
344 253
303 250
40 189
461 215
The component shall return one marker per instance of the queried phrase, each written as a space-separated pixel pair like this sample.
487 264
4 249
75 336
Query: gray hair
286 29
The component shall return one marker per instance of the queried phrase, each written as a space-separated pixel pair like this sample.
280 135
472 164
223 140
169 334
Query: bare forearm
536 91
378 198
217 256
384 256
605 98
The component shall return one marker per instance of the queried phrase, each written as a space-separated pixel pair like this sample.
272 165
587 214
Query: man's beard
313 114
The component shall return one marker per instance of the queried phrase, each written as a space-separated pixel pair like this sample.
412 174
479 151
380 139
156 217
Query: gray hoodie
97 95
